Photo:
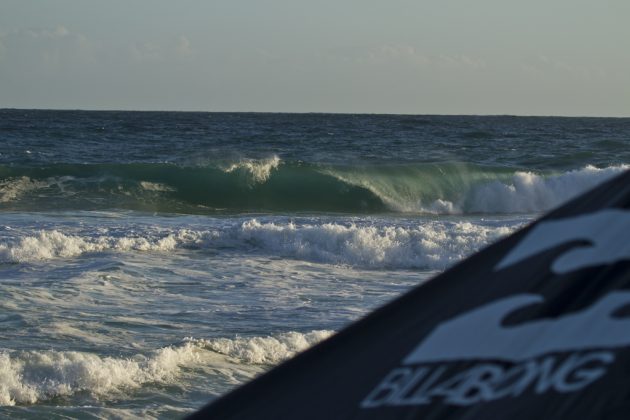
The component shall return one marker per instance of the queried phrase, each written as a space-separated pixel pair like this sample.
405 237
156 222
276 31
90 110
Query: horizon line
315 113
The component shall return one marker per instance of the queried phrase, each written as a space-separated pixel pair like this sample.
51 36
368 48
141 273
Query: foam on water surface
528 192
258 170
250 291
362 243
27 377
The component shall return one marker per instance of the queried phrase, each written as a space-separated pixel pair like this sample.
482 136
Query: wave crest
54 244
265 350
529 192
27 377
425 244
258 170
12 189
433 245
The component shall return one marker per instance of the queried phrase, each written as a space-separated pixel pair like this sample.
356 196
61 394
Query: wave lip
259 170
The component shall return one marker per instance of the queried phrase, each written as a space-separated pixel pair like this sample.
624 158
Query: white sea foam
155 187
426 244
30 376
259 170
530 192
434 245
27 377
54 244
265 350
523 192
13 188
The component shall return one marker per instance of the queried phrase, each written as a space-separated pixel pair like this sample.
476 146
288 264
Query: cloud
399 53
57 34
169 50
545 65
44 47
146 51
459 61
183 46
408 55
378 54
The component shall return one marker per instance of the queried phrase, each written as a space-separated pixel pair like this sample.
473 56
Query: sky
535 57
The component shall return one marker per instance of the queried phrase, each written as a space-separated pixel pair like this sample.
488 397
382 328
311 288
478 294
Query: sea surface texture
152 261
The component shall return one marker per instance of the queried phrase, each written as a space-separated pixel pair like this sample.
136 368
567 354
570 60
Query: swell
172 188
275 186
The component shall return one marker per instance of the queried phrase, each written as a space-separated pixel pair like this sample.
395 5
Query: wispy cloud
183 46
408 55
2 48
542 65
162 51
146 51
46 46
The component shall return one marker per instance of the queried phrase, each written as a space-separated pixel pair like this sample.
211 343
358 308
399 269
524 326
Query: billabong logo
606 231
563 354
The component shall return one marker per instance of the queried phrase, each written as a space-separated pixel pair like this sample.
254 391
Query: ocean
152 261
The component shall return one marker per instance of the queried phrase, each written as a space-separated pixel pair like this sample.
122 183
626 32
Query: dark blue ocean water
223 162
151 261
188 138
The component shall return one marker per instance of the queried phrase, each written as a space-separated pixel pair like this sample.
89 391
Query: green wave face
433 188
273 186
170 188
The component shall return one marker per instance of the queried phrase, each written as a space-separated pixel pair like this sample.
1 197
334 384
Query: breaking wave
264 350
54 244
27 377
530 192
423 244
12 189
276 186
258 170
462 189
432 245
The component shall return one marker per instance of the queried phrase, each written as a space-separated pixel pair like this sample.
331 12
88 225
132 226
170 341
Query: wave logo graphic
605 231
479 334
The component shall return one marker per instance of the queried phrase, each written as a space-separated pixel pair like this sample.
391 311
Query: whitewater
210 247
